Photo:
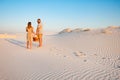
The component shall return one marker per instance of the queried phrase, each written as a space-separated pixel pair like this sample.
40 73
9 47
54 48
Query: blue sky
58 14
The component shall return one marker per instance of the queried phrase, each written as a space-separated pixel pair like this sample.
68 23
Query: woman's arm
33 30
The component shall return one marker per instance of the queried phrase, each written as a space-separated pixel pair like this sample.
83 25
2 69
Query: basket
35 38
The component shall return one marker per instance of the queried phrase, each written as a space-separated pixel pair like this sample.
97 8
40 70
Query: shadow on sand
16 42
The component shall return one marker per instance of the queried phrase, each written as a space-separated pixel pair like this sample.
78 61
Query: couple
30 32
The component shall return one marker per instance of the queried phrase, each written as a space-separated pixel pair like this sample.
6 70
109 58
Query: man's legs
40 40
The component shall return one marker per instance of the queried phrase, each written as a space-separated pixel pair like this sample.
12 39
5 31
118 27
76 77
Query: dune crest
68 30
108 30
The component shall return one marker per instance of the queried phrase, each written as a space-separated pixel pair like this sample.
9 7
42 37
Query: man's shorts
40 36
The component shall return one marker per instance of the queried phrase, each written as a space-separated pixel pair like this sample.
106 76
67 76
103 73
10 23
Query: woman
29 30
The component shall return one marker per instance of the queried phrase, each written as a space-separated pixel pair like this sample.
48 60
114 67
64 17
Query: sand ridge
89 55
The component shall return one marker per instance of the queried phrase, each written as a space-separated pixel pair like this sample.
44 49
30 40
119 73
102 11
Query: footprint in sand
95 55
118 64
56 50
103 58
85 60
79 54
119 58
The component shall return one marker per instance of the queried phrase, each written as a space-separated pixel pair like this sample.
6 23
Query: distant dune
107 30
7 36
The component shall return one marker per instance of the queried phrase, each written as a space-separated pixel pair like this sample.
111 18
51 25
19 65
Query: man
39 32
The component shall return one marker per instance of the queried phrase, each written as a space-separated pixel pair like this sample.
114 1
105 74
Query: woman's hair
29 25
38 20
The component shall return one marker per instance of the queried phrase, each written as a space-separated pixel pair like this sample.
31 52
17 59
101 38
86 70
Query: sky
58 14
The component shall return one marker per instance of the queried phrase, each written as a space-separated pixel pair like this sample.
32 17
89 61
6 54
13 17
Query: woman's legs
30 44
29 41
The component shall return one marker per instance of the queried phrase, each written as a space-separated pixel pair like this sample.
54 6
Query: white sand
81 55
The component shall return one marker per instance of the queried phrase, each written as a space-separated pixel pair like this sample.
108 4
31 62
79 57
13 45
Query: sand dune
72 55
7 36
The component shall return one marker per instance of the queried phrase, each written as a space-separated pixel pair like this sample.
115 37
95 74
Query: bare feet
39 46
29 48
